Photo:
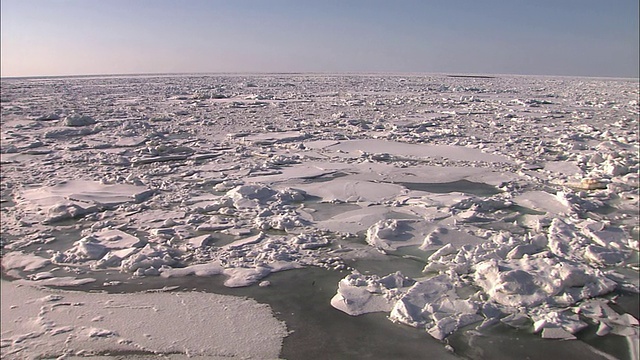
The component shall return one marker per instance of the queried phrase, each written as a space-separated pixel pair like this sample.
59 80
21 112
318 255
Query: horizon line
309 73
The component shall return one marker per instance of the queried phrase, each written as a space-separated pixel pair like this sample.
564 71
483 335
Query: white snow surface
41 323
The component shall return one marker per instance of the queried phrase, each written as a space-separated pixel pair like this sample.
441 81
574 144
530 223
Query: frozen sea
313 216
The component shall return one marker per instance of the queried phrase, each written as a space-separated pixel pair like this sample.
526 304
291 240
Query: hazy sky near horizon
543 37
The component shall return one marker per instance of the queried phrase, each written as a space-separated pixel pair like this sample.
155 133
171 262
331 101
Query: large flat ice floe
75 198
504 201
393 149
39 323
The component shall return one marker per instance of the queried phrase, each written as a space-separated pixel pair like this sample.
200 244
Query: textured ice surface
516 196
192 324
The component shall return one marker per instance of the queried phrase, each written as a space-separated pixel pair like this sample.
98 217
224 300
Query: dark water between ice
302 297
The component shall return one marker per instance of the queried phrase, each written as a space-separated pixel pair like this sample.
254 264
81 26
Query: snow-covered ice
512 200
40 323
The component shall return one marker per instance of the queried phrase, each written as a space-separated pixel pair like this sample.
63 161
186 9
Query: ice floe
70 324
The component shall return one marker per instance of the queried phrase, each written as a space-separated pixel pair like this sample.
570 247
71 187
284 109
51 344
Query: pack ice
515 198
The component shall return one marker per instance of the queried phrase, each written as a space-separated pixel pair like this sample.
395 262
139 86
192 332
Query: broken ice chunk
532 281
434 305
542 201
240 276
603 329
443 251
117 239
78 120
200 241
557 333
66 211
603 256
360 294
520 250
20 260
382 234
517 320
87 248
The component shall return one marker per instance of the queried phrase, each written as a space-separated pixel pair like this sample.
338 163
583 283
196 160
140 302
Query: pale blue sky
545 37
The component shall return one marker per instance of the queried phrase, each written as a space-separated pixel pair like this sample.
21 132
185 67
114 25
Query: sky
529 37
